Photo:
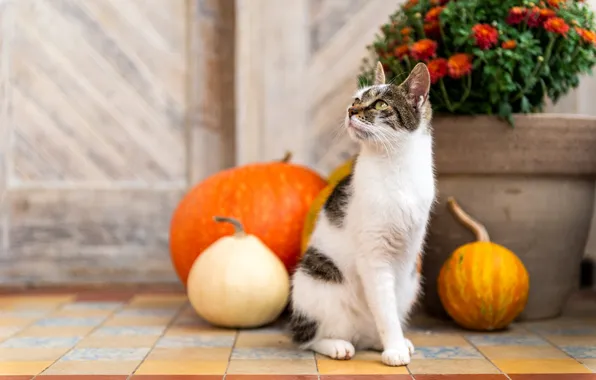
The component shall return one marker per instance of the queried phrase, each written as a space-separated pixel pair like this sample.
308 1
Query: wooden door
102 132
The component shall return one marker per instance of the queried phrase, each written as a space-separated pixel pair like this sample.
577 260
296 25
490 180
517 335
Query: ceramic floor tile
446 352
23 368
16 321
452 366
118 342
16 377
48 342
190 353
103 296
364 362
580 352
522 352
80 313
137 321
31 354
69 321
430 340
82 377
189 330
6 332
590 363
182 367
572 340
168 300
279 377
263 340
179 377
106 354
485 376
92 368
93 305
129 331
273 367
271 353
540 366
196 341
554 376
49 331
506 340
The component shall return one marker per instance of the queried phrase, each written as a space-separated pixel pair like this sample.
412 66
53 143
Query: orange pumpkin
483 286
270 199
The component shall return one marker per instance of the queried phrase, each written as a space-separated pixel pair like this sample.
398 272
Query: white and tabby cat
357 282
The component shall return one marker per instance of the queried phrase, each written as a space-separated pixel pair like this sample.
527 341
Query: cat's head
385 113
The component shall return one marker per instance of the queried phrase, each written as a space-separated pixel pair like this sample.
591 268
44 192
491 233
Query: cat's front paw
396 356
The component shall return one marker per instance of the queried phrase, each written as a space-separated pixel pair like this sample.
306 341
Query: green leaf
526 107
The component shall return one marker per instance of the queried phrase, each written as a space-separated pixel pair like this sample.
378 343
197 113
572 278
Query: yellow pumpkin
335 177
483 286
238 281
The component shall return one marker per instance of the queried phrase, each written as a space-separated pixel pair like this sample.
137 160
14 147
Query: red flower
433 14
534 19
437 69
556 25
516 15
485 35
401 51
510 44
423 49
459 64
586 35
432 29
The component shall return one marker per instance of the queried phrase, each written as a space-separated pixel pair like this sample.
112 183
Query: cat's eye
380 105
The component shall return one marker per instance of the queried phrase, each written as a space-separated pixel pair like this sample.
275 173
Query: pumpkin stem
463 217
287 157
238 227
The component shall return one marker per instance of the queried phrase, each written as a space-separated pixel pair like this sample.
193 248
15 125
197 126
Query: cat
358 281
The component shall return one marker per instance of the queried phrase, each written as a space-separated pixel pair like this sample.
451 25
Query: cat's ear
417 85
379 74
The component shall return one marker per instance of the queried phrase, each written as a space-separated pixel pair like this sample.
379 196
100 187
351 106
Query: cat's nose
352 111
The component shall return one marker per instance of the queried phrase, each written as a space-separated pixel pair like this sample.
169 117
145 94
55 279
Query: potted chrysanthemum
528 176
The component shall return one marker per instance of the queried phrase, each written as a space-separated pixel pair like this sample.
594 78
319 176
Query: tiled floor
157 336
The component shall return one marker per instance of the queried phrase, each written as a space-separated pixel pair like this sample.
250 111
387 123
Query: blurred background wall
111 109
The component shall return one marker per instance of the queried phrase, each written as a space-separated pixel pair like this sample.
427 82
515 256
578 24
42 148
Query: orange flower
587 36
555 3
432 29
406 31
485 35
410 4
401 51
437 69
423 49
510 44
459 64
433 14
556 25
516 15
534 19
546 13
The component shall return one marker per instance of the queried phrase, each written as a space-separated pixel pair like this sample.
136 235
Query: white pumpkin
238 281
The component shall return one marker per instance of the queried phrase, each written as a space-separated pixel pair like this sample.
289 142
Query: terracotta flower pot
532 186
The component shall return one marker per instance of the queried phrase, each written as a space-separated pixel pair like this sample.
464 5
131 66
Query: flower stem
467 90
534 76
443 37
445 95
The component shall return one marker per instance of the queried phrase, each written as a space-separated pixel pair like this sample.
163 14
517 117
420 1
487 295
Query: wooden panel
99 91
298 67
272 51
211 110
6 125
89 236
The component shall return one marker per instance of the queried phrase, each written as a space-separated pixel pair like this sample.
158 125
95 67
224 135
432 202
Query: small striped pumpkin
483 286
